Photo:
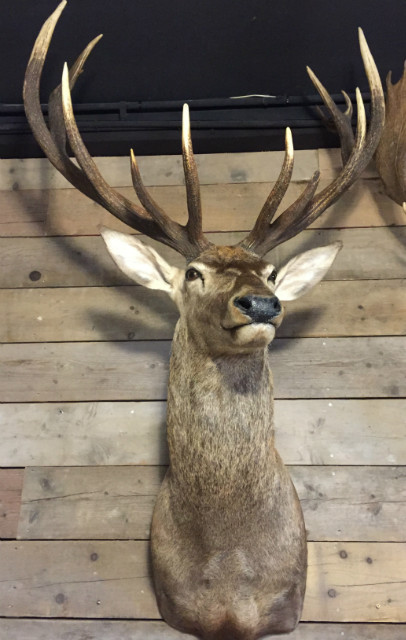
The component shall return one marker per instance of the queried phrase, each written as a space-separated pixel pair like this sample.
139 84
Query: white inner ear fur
138 261
301 273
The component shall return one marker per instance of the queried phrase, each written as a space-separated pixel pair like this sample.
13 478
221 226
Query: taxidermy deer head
228 538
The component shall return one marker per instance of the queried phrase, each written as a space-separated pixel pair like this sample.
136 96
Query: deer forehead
231 261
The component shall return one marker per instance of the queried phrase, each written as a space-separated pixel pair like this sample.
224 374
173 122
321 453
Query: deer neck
220 419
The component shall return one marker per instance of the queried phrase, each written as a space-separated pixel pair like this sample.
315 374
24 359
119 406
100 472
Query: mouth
248 324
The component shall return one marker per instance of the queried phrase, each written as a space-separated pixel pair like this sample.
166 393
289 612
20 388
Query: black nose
258 308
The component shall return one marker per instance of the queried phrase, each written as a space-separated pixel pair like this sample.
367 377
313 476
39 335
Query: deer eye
272 276
193 274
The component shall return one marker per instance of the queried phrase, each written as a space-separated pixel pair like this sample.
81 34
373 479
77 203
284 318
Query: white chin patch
255 333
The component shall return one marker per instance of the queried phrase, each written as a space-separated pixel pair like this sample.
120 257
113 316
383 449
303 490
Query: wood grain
368 254
11 486
304 368
334 308
85 503
358 582
73 383
355 582
214 168
76 579
330 164
322 432
13 629
226 207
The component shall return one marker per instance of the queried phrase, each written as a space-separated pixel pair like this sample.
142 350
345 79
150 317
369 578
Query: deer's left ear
140 262
301 273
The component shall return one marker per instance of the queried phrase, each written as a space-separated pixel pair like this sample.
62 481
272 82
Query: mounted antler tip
66 97
348 111
289 141
320 88
135 172
133 161
42 42
186 137
362 39
65 72
365 51
65 78
54 17
61 6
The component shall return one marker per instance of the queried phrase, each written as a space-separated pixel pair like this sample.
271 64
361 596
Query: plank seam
116 286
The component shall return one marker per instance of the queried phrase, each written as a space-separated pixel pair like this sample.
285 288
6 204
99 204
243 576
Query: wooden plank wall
84 360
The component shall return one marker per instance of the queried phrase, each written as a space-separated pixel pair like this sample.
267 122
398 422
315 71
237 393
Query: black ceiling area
155 55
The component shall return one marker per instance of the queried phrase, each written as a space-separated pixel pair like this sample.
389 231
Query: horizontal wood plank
347 582
76 579
14 629
368 254
214 168
363 308
355 582
84 371
226 207
348 432
85 503
330 164
11 486
112 503
303 368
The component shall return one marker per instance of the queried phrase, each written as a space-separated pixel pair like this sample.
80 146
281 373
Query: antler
150 218
356 155
391 152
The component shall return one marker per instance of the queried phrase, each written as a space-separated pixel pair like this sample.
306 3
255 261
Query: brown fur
228 539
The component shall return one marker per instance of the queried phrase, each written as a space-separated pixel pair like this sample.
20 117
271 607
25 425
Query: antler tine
193 228
152 221
112 200
341 120
174 230
33 106
290 222
194 223
53 143
274 199
55 113
304 211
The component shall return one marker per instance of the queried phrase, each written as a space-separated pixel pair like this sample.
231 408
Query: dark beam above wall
163 53
254 124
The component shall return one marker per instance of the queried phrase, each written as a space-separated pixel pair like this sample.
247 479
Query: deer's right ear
138 261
